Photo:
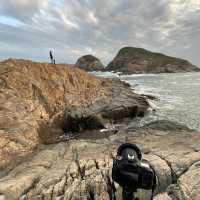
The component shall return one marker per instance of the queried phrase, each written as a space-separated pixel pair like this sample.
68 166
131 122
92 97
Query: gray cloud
20 9
77 27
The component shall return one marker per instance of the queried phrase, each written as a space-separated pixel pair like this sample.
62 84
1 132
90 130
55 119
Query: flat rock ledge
81 169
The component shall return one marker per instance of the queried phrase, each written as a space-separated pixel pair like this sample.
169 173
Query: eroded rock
163 196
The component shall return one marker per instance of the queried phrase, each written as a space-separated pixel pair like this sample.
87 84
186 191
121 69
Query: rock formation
81 169
89 63
131 60
40 102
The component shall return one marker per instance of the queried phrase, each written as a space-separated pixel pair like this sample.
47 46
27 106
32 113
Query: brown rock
34 92
35 97
81 169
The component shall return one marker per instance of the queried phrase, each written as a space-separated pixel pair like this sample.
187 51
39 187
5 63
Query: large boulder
89 63
131 60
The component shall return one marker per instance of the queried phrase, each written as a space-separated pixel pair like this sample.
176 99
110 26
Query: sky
73 28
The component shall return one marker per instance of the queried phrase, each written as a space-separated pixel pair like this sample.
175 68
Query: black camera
132 172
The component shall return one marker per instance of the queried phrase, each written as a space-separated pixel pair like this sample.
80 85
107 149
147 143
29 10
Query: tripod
129 194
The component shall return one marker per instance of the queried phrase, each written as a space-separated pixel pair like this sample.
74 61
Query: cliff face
89 63
39 102
33 92
131 60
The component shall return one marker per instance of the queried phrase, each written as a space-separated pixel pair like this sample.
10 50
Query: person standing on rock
53 61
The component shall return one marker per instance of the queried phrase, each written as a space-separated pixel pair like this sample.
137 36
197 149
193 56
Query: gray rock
81 169
163 196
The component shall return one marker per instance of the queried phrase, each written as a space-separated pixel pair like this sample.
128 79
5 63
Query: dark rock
89 63
150 97
35 97
131 60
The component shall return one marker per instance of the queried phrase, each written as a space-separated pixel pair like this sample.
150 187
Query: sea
177 95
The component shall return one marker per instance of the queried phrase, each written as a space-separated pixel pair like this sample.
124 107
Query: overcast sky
72 28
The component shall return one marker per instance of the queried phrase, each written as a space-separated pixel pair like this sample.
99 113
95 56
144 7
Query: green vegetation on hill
132 60
90 58
147 55
89 63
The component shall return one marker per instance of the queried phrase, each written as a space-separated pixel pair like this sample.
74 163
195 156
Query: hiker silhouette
53 61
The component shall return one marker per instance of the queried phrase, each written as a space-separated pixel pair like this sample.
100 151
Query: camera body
130 170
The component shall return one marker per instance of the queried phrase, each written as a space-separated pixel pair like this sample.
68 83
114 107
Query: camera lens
130 155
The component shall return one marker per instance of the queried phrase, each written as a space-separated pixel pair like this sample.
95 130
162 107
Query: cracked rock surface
39 102
81 169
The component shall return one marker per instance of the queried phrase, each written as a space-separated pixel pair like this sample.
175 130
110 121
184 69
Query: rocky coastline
52 146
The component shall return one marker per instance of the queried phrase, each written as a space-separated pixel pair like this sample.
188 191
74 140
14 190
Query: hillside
131 60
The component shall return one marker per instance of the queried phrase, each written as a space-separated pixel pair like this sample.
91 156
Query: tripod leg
127 195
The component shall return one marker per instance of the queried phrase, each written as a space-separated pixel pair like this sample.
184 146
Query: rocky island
131 60
89 63
51 145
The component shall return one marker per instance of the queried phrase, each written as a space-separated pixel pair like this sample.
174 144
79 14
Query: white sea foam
105 74
178 95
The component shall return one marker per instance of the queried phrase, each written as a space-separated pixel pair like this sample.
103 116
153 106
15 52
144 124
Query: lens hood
130 146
